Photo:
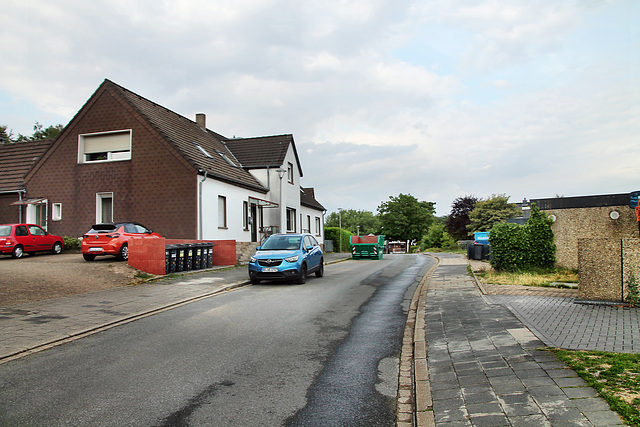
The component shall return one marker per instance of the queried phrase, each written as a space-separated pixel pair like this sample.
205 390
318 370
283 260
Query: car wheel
17 252
123 255
303 274
88 257
320 270
57 248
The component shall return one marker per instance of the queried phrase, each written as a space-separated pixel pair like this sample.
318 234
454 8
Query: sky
437 99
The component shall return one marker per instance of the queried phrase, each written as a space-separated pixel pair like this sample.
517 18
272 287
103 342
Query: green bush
521 248
71 243
437 237
341 238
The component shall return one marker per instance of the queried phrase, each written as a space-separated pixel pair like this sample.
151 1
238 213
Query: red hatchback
16 239
112 239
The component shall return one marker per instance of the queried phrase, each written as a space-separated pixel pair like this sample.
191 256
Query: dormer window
104 147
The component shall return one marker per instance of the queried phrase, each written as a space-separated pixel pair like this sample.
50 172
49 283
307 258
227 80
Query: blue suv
287 257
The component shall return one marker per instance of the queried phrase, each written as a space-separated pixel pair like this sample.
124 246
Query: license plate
95 249
270 270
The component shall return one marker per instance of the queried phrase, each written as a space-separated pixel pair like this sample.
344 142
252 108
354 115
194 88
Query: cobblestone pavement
487 369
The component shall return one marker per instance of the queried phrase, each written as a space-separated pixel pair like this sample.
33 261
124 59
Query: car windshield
281 243
5 230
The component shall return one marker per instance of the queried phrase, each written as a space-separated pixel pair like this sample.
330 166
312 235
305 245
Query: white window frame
291 220
111 156
56 211
222 212
99 198
290 172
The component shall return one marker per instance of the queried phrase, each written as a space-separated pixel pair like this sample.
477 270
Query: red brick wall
156 187
8 213
148 254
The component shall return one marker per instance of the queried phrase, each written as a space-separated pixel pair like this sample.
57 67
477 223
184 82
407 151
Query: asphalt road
323 353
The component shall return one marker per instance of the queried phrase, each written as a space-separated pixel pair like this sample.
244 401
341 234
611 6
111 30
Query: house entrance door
254 223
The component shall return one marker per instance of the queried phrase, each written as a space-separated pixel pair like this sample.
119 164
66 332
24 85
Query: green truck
371 247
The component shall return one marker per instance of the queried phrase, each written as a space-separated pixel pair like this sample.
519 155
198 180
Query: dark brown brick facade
9 213
157 187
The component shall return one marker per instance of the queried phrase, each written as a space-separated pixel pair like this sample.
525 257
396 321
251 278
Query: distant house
16 160
606 216
124 157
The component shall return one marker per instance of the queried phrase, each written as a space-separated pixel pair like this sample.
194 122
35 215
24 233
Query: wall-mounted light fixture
614 215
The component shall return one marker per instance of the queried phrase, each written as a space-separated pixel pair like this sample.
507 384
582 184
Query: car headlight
292 259
252 259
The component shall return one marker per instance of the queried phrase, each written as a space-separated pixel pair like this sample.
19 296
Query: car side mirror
309 248
258 248
149 231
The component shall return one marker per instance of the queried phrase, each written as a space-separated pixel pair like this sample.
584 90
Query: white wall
235 196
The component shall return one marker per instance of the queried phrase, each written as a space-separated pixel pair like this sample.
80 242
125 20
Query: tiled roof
187 136
264 151
16 160
308 198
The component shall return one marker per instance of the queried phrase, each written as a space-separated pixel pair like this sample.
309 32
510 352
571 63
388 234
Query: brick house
123 157
606 216
16 159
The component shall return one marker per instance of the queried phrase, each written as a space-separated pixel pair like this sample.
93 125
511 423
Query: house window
290 173
245 215
56 211
291 220
104 207
104 147
317 226
222 212
308 224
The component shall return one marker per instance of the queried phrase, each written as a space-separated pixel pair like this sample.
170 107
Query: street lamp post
281 173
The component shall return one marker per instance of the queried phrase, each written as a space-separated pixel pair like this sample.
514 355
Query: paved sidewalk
487 369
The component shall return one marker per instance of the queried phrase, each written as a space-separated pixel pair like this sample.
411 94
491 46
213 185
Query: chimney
201 120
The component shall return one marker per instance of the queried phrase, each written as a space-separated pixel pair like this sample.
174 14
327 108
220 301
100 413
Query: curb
414 405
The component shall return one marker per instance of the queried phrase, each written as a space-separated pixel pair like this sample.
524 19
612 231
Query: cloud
436 99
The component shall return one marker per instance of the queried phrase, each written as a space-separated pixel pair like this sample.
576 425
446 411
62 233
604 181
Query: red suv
112 239
16 239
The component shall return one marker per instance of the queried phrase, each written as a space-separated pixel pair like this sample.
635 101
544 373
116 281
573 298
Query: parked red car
112 239
16 239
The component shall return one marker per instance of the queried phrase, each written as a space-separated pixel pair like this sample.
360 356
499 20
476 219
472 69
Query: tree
5 136
39 133
437 237
458 219
405 218
351 219
51 132
492 211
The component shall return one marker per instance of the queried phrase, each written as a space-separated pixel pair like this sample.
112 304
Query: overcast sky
438 99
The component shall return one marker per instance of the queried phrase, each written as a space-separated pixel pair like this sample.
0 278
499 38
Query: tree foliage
437 237
523 247
405 218
341 238
494 210
39 133
458 219
351 219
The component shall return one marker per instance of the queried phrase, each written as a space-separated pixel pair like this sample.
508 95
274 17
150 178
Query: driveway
43 276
